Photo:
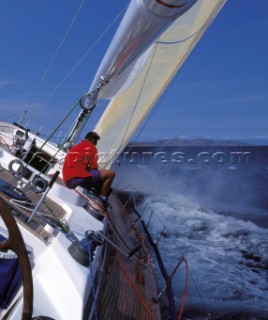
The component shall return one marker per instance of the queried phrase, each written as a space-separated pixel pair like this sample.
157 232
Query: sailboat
65 255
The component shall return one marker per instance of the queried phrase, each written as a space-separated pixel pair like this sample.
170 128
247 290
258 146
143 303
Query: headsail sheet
126 111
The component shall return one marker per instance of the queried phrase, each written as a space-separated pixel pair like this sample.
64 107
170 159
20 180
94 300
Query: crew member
80 167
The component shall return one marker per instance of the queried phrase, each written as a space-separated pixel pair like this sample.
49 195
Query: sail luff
143 21
125 112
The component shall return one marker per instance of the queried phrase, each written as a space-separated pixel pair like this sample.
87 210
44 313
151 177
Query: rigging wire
50 136
76 65
61 43
72 70
85 55
58 49
79 61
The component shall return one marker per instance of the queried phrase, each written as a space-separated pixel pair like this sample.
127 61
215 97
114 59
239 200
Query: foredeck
128 289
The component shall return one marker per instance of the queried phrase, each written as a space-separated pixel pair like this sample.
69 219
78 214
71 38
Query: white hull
61 285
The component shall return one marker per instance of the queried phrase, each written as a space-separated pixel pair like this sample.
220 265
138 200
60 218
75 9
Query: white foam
227 255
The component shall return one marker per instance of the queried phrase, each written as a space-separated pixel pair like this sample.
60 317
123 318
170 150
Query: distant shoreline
196 142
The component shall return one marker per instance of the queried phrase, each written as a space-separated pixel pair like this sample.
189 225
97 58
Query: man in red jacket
80 167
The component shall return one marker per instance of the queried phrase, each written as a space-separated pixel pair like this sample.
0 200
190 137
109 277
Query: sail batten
126 111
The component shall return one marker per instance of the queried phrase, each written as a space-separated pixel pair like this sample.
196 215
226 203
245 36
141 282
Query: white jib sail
126 111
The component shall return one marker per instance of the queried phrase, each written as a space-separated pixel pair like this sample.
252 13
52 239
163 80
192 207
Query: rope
103 211
196 287
63 226
58 224
185 288
175 269
182 260
134 287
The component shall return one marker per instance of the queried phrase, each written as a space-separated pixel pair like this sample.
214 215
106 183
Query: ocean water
210 206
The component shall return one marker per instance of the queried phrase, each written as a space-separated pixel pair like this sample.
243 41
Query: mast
142 23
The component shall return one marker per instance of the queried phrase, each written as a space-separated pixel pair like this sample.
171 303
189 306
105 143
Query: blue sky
220 93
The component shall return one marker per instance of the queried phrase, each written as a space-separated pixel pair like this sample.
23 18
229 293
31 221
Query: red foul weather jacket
79 160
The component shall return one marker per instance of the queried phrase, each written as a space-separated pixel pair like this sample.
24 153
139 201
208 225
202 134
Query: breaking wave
228 257
215 217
